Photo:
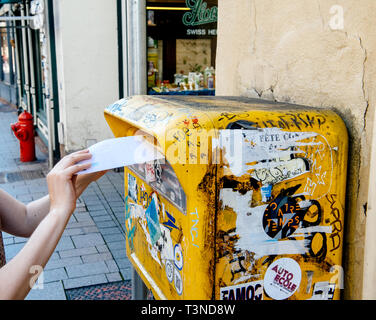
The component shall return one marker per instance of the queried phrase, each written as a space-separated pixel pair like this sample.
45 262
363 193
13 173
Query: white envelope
120 152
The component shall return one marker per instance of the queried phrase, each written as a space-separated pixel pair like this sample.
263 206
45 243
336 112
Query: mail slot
248 203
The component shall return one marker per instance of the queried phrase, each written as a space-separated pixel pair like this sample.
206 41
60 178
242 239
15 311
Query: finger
74 158
70 171
81 151
71 159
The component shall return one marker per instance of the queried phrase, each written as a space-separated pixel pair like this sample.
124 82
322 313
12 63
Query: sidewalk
92 248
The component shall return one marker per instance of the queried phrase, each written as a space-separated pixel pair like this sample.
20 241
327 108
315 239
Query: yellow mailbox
248 203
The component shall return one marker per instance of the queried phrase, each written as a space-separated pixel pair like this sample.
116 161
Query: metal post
135 82
124 20
129 46
26 62
139 290
137 60
18 67
49 95
32 72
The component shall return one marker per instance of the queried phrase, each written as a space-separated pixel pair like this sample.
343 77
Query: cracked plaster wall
288 51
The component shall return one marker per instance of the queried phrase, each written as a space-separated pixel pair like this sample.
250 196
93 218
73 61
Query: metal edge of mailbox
147 278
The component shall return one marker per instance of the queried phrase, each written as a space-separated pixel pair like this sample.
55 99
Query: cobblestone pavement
92 248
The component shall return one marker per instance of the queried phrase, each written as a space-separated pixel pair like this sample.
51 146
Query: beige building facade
87 65
315 53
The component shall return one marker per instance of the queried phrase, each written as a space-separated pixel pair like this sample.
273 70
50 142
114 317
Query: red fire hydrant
24 131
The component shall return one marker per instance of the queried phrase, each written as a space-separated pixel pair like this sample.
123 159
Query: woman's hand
61 181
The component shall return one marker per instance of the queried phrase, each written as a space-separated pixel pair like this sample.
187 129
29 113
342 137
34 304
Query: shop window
7 54
182 41
5 70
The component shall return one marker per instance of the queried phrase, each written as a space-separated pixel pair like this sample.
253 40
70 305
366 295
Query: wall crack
255 26
364 83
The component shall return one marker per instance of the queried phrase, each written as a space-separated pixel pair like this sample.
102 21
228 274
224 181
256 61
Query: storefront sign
199 13
201 32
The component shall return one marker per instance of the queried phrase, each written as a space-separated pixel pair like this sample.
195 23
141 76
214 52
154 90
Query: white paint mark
245 147
246 278
326 177
304 203
314 229
252 236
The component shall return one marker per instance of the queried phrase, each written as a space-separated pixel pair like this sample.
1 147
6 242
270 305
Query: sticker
284 214
132 187
245 291
170 224
158 171
169 271
323 291
178 282
152 219
143 196
282 278
150 172
178 256
266 192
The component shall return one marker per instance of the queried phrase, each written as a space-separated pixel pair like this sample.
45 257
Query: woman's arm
15 276
21 220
